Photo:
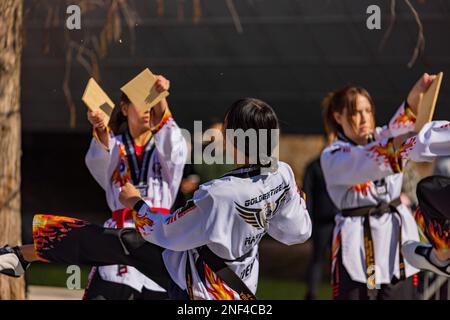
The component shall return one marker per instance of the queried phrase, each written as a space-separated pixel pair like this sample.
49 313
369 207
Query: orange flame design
435 233
121 174
407 146
216 286
141 222
387 153
363 187
49 230
405 118
167 116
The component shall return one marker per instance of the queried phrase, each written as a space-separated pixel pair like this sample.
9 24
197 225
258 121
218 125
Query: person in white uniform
205 250
144 148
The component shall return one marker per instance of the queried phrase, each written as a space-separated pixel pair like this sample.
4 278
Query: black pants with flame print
73 241
435 230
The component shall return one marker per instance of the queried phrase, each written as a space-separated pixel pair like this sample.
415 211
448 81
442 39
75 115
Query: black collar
342 137
244 172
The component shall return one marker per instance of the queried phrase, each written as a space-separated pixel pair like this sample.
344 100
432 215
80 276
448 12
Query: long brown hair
339 100
118 123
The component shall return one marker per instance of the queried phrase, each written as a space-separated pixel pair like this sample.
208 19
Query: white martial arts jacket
230 215
167 154
358 176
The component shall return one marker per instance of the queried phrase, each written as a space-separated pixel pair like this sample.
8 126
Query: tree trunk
10 140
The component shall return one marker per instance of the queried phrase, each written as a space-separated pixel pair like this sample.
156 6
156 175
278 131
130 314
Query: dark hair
251 113
339 100
118 123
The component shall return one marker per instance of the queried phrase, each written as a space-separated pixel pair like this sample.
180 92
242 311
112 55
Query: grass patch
273 289
55 275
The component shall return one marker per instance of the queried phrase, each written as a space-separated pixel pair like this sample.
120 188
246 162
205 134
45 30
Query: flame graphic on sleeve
363 187
405 118
121 174
49 230
438 235
216 286
388 155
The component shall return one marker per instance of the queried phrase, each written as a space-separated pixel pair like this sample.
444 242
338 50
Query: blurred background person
322 212
189 183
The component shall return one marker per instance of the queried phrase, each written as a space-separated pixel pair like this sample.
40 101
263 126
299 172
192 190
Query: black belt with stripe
378 210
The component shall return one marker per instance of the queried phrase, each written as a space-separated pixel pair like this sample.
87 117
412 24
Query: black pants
72 241
433 215
321 237
100 289
347 289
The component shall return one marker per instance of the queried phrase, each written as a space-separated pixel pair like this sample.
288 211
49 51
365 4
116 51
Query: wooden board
96 99
141 91
427 103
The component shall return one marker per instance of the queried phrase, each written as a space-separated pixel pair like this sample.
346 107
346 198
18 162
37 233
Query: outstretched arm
170 144
404 118
186 228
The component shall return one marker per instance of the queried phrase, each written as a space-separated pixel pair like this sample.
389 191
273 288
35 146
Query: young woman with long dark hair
205 250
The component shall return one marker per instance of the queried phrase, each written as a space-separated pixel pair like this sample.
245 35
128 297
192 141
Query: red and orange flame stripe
165 118
121 174
387 152
405 118
216 286
434 231
49 230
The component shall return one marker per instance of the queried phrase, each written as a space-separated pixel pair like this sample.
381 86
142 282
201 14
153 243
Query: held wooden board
141 91
428 103
96 99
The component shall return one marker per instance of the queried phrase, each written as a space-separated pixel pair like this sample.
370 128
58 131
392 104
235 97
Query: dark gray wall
290 54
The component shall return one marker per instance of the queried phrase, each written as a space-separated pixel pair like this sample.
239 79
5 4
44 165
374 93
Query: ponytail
330 124
118 123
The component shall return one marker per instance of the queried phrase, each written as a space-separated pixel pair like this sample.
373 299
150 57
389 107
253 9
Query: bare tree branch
235 16
420 45
388 32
